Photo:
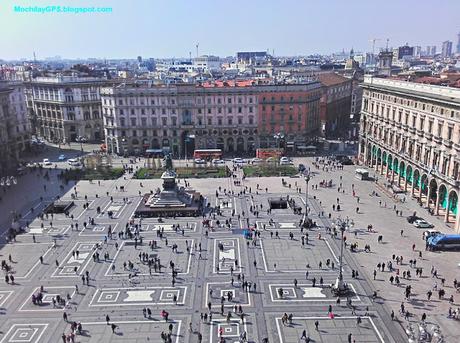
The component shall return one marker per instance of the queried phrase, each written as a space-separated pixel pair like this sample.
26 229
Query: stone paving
208 276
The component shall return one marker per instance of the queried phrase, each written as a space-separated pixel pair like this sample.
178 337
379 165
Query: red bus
270 152
208 154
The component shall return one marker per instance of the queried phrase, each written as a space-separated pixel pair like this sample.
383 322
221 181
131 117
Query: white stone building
66 108
410 133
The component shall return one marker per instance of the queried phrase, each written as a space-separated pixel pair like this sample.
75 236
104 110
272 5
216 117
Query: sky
172 28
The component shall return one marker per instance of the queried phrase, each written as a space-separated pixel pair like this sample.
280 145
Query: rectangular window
219 121
240 120
209 121
230 121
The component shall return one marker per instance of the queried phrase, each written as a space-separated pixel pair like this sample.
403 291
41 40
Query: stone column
428 194
457 222
446 216
437 203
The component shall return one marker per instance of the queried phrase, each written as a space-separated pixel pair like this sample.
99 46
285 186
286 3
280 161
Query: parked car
256 160
75 162
413 218
423 224
61 157
217 161
238 160
46 162
284 161
199 161
301 167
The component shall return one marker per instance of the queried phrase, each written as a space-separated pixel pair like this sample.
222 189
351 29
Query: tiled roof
229 83
331 79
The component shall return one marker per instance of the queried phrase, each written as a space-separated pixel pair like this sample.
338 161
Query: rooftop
429 91
331 79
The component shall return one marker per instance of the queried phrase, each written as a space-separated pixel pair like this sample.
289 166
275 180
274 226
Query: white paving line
36 263
379 335
27 326
178 321
227 282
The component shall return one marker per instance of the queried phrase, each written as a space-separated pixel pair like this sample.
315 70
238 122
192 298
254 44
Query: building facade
14 126
184 117
288 115
410 134
446 49
335 105
66 108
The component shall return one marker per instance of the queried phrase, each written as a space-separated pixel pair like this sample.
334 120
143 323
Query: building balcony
398 125
412 130
437 139
420 133
187 125
447 143
457 147
405 127
428 136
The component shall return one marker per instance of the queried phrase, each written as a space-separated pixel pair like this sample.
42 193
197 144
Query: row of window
423 154
173 121
170 101
432 108
416 120
144 111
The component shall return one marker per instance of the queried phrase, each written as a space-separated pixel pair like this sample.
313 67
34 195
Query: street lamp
187 140
278 136
307 179
340 287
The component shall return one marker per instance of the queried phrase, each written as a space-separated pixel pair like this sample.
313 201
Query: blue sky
171 28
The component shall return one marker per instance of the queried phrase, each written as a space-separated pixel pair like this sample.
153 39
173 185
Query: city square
226 285
245 172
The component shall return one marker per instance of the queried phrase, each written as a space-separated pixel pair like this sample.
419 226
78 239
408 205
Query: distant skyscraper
433 50
139 59
404 51
446 48
458 43
428 50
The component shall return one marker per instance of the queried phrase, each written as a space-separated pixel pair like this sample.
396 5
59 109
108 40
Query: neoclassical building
219 114
14 126
65 108
410 133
